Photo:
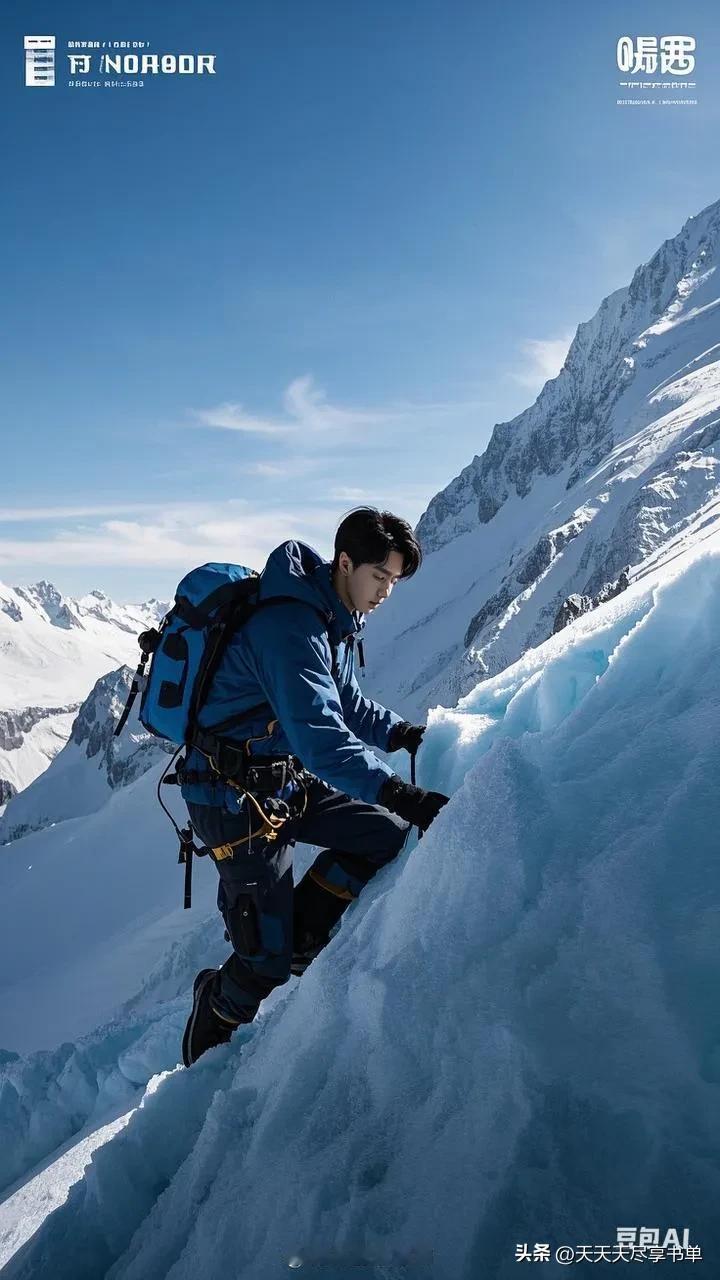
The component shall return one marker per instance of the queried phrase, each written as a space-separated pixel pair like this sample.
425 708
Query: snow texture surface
514 1035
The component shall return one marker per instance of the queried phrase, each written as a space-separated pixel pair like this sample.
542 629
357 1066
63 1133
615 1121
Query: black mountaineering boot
205 1028
303 956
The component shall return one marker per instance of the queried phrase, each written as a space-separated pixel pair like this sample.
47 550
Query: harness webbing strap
222 851
134 690
187 848
188 612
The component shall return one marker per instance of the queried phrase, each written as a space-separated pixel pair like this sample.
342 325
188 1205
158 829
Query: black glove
411 803
406 735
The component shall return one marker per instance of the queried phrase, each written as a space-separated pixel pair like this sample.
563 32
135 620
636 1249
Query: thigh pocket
253 931
243 923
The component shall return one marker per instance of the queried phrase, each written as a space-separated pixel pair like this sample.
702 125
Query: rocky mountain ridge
617 461
570 427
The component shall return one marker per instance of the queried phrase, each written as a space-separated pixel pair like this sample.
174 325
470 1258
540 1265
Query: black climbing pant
268 918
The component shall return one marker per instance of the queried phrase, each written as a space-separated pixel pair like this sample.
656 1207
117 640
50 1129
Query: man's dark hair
368 536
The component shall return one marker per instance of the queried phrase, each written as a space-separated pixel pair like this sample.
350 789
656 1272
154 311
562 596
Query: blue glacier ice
514 1037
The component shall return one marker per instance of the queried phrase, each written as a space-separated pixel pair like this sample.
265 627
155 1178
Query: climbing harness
267 785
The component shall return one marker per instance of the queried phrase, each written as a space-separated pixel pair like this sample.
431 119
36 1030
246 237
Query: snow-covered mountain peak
573 424
129 617
52 649
617 462
46 598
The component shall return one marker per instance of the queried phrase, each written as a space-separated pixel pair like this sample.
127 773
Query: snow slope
52 650
514 1036
91 764
86 909
617 458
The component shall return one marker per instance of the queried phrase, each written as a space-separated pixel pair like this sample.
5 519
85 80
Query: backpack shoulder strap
214 731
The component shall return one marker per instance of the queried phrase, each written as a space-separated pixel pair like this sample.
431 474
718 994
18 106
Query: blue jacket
283 658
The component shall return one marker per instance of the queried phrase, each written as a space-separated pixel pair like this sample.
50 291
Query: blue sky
233 307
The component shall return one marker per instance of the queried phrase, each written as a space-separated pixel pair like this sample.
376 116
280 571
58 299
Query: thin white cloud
312 418
266 469
180 535
318 437
232 417
309 406
348 495
20 515
292 467
177 536
406 498
543 359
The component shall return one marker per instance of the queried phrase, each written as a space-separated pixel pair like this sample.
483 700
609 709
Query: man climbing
285 697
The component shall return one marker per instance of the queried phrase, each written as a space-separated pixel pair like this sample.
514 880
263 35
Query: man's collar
348 621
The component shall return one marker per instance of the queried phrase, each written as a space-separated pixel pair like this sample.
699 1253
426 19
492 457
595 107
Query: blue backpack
185 651
211 602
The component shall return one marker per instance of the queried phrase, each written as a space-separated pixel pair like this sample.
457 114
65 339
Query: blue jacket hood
295 569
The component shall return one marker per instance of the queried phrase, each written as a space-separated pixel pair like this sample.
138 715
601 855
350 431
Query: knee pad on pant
344 874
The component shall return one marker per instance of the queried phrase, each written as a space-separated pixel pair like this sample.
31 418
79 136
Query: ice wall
515 1035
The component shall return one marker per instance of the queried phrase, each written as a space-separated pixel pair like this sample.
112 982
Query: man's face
370 584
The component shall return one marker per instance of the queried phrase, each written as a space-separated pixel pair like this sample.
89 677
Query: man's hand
406 735
411 803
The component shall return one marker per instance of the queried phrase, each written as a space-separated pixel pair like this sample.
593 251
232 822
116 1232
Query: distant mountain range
52 650
90 765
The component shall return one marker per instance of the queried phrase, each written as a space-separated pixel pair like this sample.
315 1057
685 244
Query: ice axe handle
413 755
